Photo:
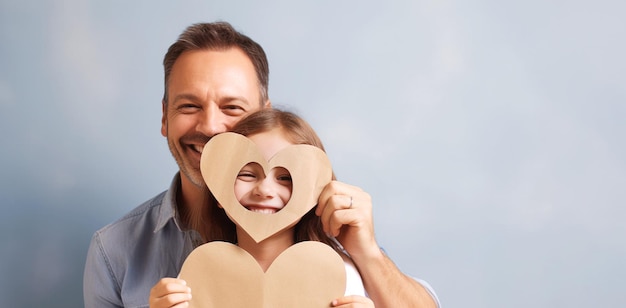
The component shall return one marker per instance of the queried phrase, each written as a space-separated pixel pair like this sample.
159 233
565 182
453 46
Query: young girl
272 130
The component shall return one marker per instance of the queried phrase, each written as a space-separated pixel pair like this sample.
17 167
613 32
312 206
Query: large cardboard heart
224 156
306 275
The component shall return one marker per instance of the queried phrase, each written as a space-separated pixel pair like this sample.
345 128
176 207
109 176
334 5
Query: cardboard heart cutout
224 156
306 275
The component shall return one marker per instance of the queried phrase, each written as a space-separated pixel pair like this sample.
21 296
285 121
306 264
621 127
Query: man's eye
233 110
232 107
188 108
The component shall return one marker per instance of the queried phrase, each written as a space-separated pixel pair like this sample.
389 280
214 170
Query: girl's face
260 192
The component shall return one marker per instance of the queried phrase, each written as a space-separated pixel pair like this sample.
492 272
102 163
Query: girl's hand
353 301
170 293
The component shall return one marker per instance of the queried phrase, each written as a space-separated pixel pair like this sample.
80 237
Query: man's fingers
340 218
333 204
335 188
351 211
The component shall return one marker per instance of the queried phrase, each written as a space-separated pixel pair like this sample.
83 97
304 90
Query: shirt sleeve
100 289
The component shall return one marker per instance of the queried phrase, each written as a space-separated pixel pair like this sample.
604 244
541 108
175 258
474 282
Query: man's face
209 91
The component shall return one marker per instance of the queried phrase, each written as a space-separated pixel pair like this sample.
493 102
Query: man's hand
346 213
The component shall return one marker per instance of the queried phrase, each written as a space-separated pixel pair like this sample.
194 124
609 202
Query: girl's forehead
270 142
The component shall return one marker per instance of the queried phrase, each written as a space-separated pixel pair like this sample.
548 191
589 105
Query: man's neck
192 203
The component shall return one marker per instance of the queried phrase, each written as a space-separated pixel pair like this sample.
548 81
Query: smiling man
215 76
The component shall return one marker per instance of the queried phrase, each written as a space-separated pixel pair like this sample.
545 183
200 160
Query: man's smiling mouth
197 148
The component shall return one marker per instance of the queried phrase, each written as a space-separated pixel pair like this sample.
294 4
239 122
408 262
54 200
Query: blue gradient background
490 135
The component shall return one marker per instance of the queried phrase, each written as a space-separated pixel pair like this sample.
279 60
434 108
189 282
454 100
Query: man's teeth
263 210
198 148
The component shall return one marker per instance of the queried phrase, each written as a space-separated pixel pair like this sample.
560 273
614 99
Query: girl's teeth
263 211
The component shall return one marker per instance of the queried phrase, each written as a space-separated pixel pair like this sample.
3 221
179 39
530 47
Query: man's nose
212 122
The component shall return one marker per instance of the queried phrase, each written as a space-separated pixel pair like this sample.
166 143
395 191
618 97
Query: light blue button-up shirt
128 257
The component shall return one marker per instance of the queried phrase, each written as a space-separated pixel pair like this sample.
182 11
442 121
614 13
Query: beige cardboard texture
306 275
225 155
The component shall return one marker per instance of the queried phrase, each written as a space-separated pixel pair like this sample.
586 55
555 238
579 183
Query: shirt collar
168 209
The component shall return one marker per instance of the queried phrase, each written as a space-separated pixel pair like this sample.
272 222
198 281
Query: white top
354 284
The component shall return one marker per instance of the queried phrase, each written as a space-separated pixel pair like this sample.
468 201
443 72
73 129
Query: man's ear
268 104
164 119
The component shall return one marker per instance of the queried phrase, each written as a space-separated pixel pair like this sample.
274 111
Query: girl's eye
284 177
246 176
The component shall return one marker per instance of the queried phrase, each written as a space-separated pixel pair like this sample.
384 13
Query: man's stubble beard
193 175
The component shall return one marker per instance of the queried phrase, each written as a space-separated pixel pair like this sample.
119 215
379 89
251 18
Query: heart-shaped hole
227 153
261 193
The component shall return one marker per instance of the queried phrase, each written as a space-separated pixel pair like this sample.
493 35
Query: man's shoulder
124 256
143 216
